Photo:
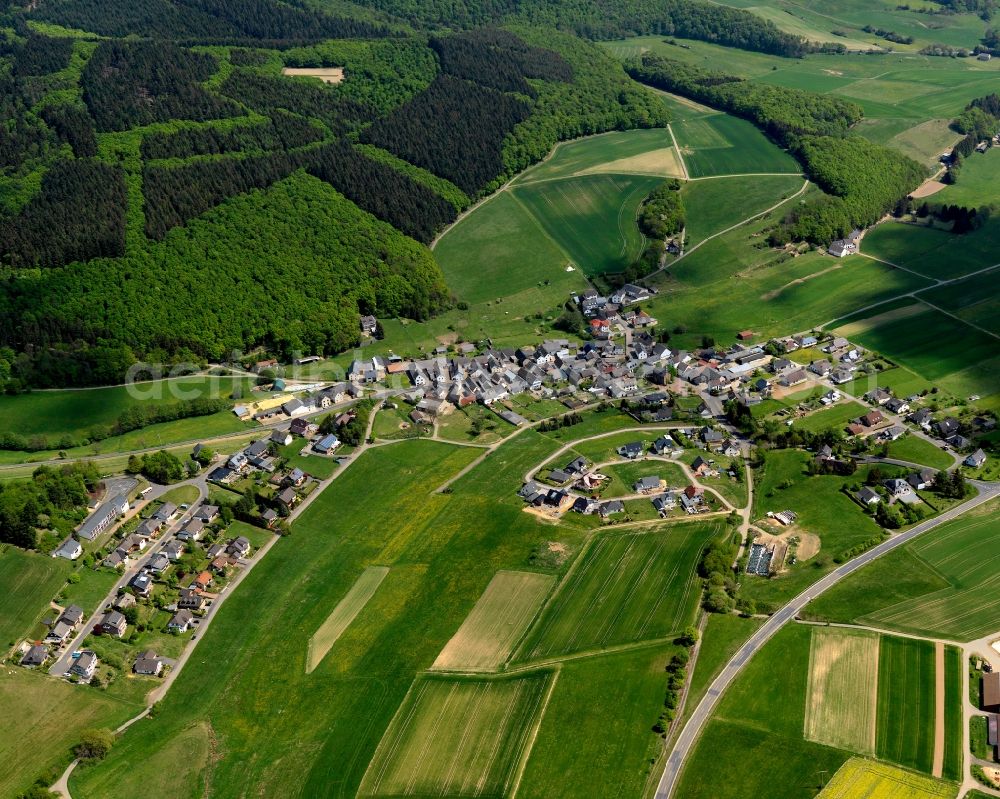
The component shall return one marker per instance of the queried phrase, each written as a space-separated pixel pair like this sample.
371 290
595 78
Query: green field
612 742
975 300
931 251
906 714
977 181
76 412
343 614
625 475
626 588
919 450
721 144
590 218
713 205
29 582
458 738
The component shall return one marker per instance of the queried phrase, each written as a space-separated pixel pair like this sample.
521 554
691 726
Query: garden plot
496 623
459 738
842 696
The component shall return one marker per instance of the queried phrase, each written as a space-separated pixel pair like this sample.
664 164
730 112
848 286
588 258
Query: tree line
863 180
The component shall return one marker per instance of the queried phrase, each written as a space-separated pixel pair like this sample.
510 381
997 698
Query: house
149 664
124 602
976 459
868 496
206 514
611 508
193 531
270 517
993 730
191 599
872 418
240 547
665 503
894 433
991 691
586 505
632 450
326 445
142 583
898 487
85 665
369 325
299 427
288 497
69 549
72 615
35 657
921 418
923 479
794 378
294 407
700 466
821 367
645 485
158 564
203 581
900 406
730 448
174 550
947 427
60 631
576 466
165 512
281 437
220 565
841 248
560 476
664 444
296 477
181 621
102 518
710 436
113 623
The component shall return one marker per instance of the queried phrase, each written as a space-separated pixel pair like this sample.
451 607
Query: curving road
689 735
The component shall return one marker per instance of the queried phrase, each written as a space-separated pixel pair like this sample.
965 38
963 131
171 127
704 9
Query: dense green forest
863 180
662 212
55 498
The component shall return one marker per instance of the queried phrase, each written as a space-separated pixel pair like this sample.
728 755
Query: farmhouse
991 691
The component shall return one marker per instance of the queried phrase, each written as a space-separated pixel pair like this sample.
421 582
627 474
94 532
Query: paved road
689 735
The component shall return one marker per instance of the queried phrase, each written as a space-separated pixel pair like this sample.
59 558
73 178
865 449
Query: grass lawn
43 719
919 450
319 466
625 475
93 586
977 181
978 744
613 742
731 490
181 495
721 144
722 636
458 426
626 588
823 510
835 417
257 536
29 581
906 714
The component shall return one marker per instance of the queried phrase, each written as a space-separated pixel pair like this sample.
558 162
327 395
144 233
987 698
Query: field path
939 696
677 149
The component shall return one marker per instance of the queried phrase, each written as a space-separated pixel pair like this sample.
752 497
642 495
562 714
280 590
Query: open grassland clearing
625 475
608 152
823 510
43 719
926 141
932 251
759 722
592 218
721 144
612 746
859 778
343 614
442 549
843 689
966 554
496 623
29 581
906 702
714 205
626 588
459 737
977 181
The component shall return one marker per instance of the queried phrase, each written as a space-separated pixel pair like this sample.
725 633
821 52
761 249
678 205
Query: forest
283 131
863 180
662 212
58 496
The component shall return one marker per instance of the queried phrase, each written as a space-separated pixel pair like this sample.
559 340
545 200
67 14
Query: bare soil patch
662 162
927 188
325 74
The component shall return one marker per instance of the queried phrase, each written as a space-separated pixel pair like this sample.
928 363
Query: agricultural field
977 181
842 693
860 778
592 218
722 636
720 144
499 618
29 582
459 738
965 553
343 614
625 588
906 702
974 300
931 251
